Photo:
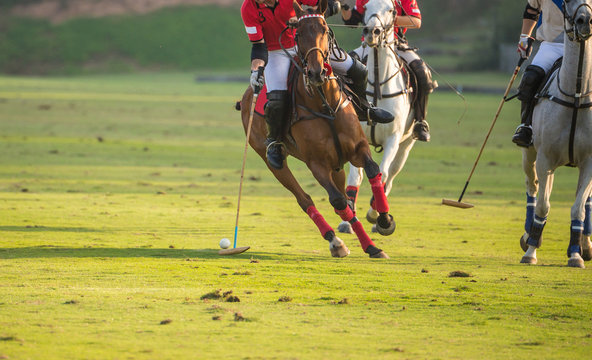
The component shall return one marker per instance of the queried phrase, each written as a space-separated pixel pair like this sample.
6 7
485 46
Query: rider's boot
531 80
358 74
275 114
423 87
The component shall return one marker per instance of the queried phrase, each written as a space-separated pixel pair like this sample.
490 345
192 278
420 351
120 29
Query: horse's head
312 39
578 19
379 18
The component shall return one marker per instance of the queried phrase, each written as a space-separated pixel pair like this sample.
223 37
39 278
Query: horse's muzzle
371 35
317 77
583 25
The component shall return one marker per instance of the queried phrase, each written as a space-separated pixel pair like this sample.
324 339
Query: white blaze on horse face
379 18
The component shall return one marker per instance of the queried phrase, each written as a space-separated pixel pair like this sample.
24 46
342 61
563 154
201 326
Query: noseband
572 33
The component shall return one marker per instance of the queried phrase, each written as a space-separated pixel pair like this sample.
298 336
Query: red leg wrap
345 214
365 240
380 203
352 193
318 219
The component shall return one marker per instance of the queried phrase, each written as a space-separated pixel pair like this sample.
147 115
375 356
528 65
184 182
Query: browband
310 16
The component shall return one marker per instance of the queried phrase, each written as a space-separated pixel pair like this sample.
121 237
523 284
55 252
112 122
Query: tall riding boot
423 87
275 115
531 80
358 74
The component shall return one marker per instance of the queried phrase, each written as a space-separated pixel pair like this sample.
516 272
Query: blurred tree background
456 35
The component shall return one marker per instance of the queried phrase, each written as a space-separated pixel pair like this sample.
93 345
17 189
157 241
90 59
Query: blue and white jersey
550 25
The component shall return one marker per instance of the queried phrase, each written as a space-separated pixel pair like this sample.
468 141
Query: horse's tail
237 106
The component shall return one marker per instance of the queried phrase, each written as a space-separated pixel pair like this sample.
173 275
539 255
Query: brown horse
325 134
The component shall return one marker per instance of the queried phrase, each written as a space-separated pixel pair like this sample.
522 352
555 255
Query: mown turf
115 190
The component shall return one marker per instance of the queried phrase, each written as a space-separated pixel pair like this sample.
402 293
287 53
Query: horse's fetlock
329 235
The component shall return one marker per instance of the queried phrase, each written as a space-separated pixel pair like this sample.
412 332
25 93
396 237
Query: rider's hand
333 7
292 23
525 45
257 80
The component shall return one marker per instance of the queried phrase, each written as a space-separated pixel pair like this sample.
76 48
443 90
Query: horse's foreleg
384 223
541 210
286 178
578 217
339 203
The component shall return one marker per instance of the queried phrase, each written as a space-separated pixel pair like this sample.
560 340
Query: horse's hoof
380 255
586 248
338 248
576 261
387 230
523 243
371 216
528 260
345 228
374 229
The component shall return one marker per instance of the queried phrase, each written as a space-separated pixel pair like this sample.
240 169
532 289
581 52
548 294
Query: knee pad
422 74
531 80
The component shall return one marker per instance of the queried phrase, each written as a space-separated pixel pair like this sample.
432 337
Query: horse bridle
304 58
572 33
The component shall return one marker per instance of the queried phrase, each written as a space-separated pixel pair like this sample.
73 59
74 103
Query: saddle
543 89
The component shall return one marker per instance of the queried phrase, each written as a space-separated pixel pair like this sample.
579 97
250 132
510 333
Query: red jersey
403 7
267 23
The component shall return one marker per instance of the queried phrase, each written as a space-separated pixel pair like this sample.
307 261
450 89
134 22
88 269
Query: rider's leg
358 74
531 80
275 114
276 73
424 85
534 74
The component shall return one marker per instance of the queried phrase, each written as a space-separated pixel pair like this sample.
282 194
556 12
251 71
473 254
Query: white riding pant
407 54
278 67
547 54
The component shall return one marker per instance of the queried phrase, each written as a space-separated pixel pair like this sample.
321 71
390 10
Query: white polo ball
224 243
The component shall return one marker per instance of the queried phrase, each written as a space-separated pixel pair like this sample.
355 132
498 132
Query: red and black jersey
267 23
403 7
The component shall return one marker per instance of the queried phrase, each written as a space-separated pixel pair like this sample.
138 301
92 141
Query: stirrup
523 136
274 154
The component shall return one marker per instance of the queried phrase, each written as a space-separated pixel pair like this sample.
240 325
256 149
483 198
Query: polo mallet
459 203
238 250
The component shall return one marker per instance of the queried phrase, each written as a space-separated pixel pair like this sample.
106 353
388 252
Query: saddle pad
261 101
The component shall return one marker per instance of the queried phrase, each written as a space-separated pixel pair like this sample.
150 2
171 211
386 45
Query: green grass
115 190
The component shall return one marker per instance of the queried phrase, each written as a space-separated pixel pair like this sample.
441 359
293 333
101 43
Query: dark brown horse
325 134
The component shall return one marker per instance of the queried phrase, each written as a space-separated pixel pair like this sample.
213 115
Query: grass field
115 190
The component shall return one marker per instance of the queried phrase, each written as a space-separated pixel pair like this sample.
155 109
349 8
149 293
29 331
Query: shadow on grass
49 251
35 228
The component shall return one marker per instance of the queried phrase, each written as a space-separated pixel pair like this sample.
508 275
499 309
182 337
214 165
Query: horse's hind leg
532 187
339 203
578 217
586 243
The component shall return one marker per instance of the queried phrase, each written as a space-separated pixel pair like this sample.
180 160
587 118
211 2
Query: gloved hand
257 80
333 8
525 45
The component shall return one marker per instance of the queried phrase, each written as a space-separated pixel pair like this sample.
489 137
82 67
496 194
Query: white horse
387 88
562 129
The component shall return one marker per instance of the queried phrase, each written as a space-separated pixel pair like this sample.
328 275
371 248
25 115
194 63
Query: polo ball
224 243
